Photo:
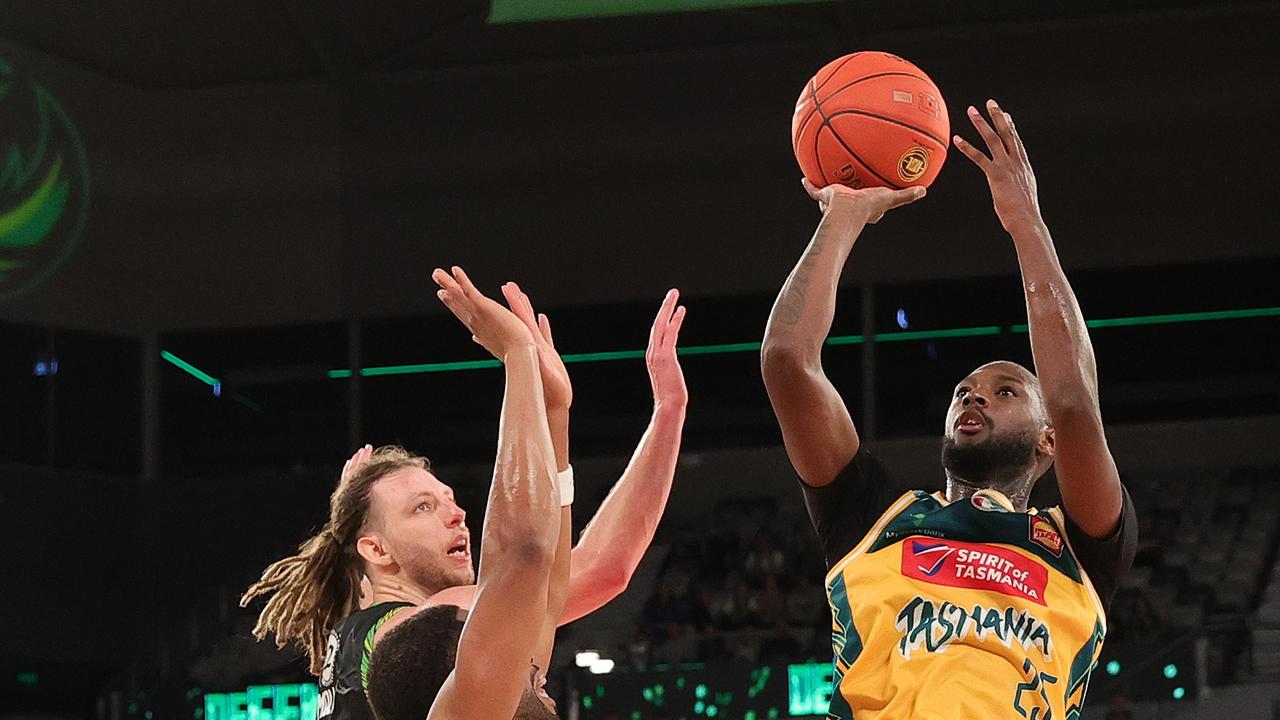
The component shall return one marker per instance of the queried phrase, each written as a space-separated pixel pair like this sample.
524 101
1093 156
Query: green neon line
939 334
722 348
1174 318
190 369
425 368
903 336
602 356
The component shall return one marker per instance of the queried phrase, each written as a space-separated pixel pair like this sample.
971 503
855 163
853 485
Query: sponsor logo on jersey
1044 534
328 693
978 566
933 627
987 503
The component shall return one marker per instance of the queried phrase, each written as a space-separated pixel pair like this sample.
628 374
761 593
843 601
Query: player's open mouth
460 549
970 422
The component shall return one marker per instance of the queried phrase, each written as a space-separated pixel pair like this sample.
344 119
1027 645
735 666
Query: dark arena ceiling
279 162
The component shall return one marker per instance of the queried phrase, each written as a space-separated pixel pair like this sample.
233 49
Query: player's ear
373 548
1046 444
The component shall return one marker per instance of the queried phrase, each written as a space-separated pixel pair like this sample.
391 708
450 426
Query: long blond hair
314 589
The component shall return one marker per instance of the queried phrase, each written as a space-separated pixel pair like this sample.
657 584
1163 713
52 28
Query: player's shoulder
389 617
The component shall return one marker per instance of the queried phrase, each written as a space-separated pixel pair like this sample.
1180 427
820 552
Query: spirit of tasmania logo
44 183
975 565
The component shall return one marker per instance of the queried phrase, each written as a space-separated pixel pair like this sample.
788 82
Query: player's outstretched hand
664 367
869 203
1008 171
493 326
557 391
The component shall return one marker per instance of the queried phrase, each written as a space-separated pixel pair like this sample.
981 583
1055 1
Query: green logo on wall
44 183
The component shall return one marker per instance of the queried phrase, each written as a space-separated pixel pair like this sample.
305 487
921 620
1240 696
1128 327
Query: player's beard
437 576
1000 463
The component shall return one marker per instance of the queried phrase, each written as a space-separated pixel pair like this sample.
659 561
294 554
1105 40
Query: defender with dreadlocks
396 527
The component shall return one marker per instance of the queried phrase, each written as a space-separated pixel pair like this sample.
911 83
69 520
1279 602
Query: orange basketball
870 119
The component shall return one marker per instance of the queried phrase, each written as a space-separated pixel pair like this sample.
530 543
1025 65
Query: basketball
870 119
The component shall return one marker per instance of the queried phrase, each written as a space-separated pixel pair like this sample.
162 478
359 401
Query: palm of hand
496 328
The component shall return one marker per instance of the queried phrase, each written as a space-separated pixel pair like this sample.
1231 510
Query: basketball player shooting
962 603
396 541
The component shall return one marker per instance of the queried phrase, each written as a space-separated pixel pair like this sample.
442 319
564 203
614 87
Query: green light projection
44 183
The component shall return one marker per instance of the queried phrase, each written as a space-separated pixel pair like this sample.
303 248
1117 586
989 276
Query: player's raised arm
557 393
521 528
617 537
1060 343
817 429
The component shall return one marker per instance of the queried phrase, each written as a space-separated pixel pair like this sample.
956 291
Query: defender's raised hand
664 367
1008 171
556 388
493 326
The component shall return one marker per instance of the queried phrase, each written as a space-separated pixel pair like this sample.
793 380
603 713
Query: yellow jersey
968 609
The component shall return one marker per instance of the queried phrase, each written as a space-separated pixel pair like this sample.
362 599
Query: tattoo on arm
791 305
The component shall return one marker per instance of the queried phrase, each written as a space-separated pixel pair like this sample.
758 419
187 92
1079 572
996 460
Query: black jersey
345 675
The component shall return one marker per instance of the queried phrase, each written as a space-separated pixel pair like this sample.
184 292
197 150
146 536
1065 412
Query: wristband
565 481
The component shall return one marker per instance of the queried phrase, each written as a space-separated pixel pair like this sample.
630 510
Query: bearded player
505 640
964 603
396 541
502 640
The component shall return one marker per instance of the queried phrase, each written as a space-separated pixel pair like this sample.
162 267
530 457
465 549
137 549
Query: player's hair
317 587
410 665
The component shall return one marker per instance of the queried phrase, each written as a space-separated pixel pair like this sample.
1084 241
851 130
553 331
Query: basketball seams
813 91
813 86
826 123
864 78
834 71
795 138
857 157
908 126
817 134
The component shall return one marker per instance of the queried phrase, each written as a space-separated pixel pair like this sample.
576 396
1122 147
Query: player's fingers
528 308
659 329
544 326
468 288
995 146
968 150
456 306
905 196
673 328
1000 119
444 280
1017 140
814 192
519 305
